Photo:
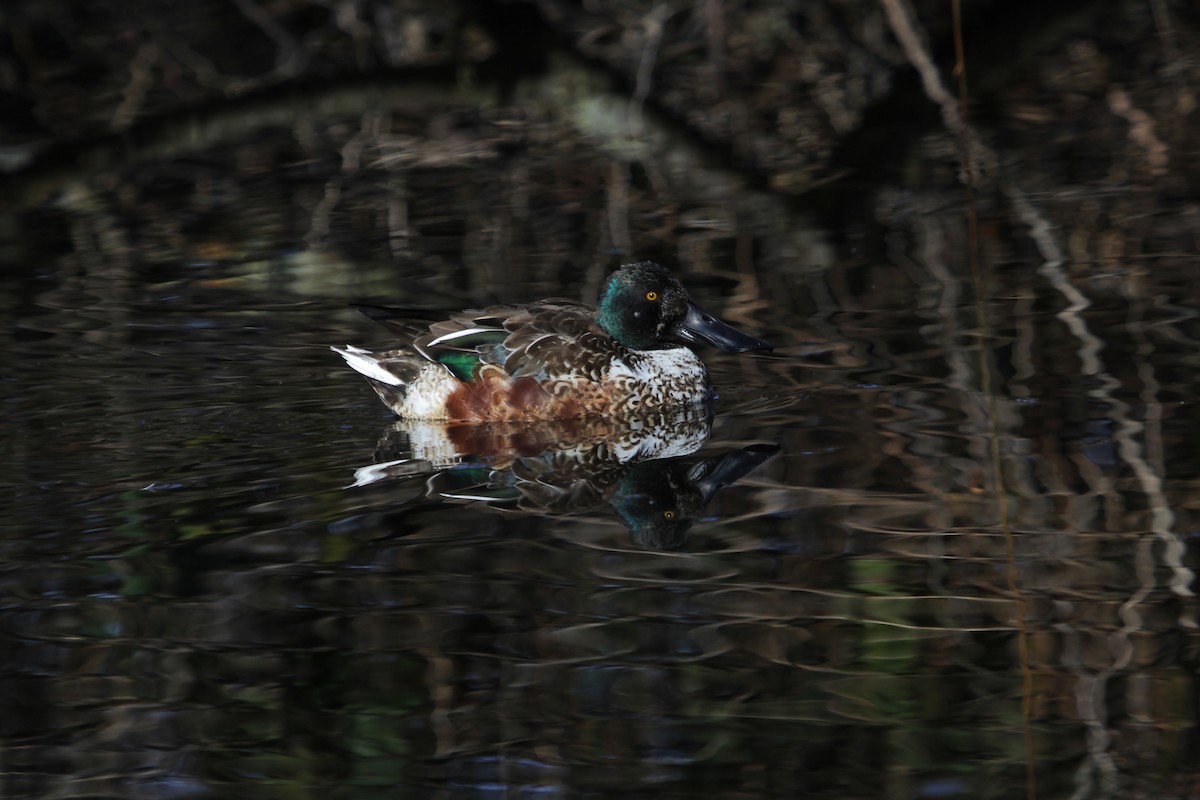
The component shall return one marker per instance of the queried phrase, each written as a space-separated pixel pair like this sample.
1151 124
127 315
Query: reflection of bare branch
1135 441
291 58
1149 466
139 82
321 215
900 17
618 206
715 28
289 62
1167 35
1141 129
202 68
653 23
397 216
451 151
351 161
348 20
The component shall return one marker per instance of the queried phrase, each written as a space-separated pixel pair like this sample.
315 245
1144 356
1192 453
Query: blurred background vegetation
709 128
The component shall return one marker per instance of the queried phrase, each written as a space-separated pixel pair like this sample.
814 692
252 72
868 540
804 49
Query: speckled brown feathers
550 339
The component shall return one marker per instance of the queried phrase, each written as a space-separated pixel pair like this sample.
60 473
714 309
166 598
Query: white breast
657 378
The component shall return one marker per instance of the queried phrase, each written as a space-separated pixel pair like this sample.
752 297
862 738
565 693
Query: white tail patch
367 363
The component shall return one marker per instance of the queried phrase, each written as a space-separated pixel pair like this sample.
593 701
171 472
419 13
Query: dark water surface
941 543
197 601
954 557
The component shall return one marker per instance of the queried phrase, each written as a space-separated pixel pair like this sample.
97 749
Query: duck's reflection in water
645 470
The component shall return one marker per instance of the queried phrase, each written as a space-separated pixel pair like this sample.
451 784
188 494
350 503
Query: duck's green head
644 306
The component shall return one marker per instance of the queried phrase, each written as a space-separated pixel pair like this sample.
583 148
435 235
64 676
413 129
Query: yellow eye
667 514
651 295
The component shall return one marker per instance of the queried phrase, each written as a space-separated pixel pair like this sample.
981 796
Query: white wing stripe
450 337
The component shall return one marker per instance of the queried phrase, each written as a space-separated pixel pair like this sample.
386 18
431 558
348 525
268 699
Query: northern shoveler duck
554 359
